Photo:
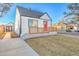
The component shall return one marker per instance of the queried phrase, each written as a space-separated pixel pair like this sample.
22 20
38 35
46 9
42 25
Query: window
33 23
33 26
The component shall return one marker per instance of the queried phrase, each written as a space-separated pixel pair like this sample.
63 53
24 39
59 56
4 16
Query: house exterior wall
17 22
2 28
41 26
40 21
48 19
49 23
45 17
25 26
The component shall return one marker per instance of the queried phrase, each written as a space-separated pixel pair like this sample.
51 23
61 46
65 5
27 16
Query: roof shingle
29 12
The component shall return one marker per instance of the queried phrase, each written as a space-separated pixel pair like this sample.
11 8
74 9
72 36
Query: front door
45 26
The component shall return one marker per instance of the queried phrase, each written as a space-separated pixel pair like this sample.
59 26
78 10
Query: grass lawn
55 45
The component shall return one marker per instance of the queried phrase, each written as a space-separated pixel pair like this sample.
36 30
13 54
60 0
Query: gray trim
37 18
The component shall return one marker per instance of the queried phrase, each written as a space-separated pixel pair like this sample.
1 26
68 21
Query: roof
29 12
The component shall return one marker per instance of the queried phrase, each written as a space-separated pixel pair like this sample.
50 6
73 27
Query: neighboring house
56 27
59 26
9 27
72 26
2 28
68 26
29 21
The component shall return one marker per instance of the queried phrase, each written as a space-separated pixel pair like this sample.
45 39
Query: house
59 26
72 26
67 26
30 21
2 28
9 27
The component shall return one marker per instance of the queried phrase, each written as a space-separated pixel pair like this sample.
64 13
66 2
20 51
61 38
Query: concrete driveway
15 47
70 34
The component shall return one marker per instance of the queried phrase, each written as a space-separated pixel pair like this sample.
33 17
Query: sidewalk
7 35
28 36
15 47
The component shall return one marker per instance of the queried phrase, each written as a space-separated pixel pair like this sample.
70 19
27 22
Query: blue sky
55 11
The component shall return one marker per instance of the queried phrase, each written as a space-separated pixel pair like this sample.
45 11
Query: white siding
17 22
24 25
40 23
45 17
49 24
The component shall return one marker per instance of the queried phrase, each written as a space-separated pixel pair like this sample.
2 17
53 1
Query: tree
4 8
73 10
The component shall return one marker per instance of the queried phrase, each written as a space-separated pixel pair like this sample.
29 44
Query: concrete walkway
15 47
8 35
28 36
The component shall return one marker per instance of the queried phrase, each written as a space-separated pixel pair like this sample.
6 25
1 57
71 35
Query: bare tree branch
4 8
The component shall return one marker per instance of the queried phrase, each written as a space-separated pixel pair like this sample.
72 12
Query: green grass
55 45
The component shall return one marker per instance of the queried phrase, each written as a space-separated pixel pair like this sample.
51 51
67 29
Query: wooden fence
35 30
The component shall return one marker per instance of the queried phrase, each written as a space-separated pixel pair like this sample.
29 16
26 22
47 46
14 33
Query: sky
54 10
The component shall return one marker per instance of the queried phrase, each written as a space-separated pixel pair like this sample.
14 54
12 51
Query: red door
45 25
